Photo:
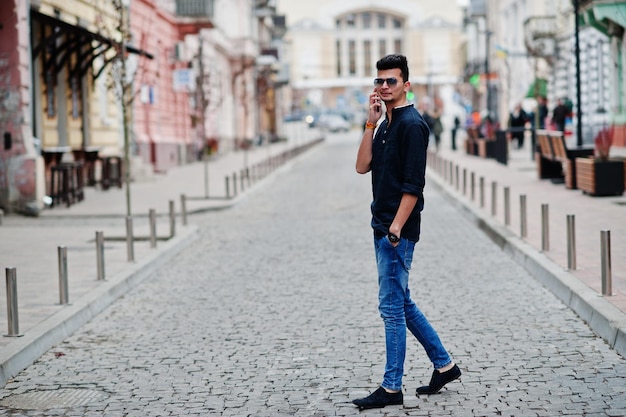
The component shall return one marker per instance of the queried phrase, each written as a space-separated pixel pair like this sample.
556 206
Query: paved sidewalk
30 245
581 288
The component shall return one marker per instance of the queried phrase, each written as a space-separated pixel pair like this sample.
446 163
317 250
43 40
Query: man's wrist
369 125
393 238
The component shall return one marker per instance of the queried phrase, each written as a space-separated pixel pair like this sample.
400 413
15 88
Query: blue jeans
399 312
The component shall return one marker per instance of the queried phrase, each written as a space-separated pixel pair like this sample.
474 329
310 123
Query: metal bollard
12 314
472 186
206 176
494 187
172 219
571 242
227 187
507 206
242 178
234 184
464 181
481 189
63 289
183 209
605 252
1 216
130 241
100 255
545 228
153 236
457 177
522 223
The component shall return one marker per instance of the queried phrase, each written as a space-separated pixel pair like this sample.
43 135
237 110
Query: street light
579 124
488 34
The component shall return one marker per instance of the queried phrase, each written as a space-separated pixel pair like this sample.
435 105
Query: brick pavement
272 312
30 245
592 214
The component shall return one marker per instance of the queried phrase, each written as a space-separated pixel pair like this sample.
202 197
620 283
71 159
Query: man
517 122
559 114
396 156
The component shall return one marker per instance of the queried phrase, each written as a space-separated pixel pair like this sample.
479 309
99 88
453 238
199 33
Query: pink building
56 100
18 158
162 119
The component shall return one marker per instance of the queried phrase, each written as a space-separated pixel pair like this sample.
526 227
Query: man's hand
376 108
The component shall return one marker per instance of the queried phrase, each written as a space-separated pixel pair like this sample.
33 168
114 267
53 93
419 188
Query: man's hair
394 61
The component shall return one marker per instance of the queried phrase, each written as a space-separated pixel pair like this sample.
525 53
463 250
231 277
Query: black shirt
399 166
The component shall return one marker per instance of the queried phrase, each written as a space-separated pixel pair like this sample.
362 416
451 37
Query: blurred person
395 154
517 121
455 128
560 114
542 110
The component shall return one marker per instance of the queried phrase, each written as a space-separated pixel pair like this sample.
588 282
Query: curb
606 320
56 328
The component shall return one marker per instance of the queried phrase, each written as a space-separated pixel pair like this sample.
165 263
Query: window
382 20
397 46
367 20
382 48
397 23
338 23
338 58
367 57
352 57
350 20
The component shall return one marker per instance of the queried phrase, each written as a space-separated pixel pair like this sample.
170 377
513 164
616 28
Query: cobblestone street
273 312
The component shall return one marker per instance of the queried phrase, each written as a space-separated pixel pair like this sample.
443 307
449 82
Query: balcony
539 35
477 8
193 15
201 9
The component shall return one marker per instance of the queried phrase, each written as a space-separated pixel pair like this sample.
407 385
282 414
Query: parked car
296 116
333 123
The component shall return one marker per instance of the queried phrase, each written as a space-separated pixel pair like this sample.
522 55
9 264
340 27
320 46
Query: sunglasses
378 82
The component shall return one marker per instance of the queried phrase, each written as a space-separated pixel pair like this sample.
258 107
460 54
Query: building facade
333 49
531 48
155 80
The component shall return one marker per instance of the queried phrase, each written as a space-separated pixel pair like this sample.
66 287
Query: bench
556 161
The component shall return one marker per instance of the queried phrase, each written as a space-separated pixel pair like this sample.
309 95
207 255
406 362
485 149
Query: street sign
184 80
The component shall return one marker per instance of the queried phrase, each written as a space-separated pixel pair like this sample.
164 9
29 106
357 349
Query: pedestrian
559 114
517 122
455 128
433 120
542 110
396 157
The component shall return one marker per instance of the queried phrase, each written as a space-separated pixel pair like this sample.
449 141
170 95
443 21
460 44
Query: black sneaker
379 399
438 380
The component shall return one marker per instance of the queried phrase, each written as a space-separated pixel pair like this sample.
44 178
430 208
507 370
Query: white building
333 48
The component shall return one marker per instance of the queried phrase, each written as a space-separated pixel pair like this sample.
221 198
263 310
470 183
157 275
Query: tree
113 20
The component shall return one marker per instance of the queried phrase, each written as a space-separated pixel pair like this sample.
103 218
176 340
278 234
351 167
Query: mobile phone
377 105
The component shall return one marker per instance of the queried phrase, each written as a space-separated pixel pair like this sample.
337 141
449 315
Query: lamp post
488 34
579 125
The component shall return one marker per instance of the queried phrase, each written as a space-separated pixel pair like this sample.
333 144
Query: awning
539 87
69 40
599 14
615 12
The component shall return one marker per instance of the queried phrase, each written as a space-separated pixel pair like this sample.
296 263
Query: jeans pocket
406 253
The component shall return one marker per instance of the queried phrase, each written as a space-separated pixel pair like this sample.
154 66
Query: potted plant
601 175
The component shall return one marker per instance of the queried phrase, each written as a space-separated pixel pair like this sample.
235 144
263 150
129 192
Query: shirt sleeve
414 146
